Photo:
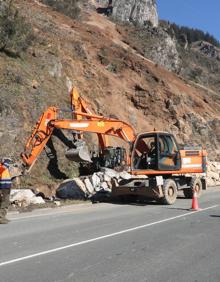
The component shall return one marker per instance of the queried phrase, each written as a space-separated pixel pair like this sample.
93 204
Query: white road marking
102 237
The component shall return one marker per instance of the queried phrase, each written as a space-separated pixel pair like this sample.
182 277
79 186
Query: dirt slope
118 81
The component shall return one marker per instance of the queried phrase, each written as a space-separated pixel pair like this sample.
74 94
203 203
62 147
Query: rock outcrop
154 43
162 50
213 174
137 11
207 49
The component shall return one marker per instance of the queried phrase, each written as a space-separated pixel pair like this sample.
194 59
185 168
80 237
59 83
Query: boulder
213 174
82 186
95 180
125 175
37 200
109 183
211 182
106 178
104 186
114 182
70 189
110 172
98 188
89 186
46 191
100 175
25 197
137 11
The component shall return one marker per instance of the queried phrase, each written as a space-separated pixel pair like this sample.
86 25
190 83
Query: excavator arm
85 122
39 138
98 125
79 104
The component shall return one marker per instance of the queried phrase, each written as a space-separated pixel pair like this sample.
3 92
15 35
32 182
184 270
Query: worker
152 151
5 188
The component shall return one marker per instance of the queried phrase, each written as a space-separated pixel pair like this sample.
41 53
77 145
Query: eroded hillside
116 79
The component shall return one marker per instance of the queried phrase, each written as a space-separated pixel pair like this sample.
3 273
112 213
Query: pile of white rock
24 197
88 186
99 184
213 174
102 182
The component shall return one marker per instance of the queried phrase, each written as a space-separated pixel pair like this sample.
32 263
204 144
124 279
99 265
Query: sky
201 14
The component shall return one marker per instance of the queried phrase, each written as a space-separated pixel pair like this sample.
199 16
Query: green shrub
15 33
195 74
112 67
69 8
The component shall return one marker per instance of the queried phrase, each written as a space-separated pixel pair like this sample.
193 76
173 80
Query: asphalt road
110 242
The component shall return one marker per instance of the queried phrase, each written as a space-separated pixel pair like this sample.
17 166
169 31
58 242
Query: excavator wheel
169 189
195 185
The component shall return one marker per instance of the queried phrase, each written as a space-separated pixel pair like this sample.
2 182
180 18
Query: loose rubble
25 197
90 186
95 187
101 183
213 174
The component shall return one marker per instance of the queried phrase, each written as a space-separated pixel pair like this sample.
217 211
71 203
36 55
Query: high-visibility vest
5 178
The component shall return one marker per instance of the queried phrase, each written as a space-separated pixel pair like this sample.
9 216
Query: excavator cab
155 151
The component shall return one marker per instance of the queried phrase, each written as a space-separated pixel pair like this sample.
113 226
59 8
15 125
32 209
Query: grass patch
16 34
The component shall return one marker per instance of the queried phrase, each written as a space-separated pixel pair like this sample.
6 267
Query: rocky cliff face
200 63
150 39
137 11
207 49
153 43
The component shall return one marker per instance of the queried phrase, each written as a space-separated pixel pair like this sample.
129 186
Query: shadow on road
130 200
214 215
125 200
135 203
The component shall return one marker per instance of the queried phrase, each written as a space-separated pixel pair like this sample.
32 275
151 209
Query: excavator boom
79 104
83 122
100 125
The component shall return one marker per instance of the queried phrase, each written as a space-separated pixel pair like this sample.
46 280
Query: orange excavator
156 163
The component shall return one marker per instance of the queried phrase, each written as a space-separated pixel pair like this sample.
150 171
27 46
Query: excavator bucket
80 153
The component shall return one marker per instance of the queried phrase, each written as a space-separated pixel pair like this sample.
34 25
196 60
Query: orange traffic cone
195 204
